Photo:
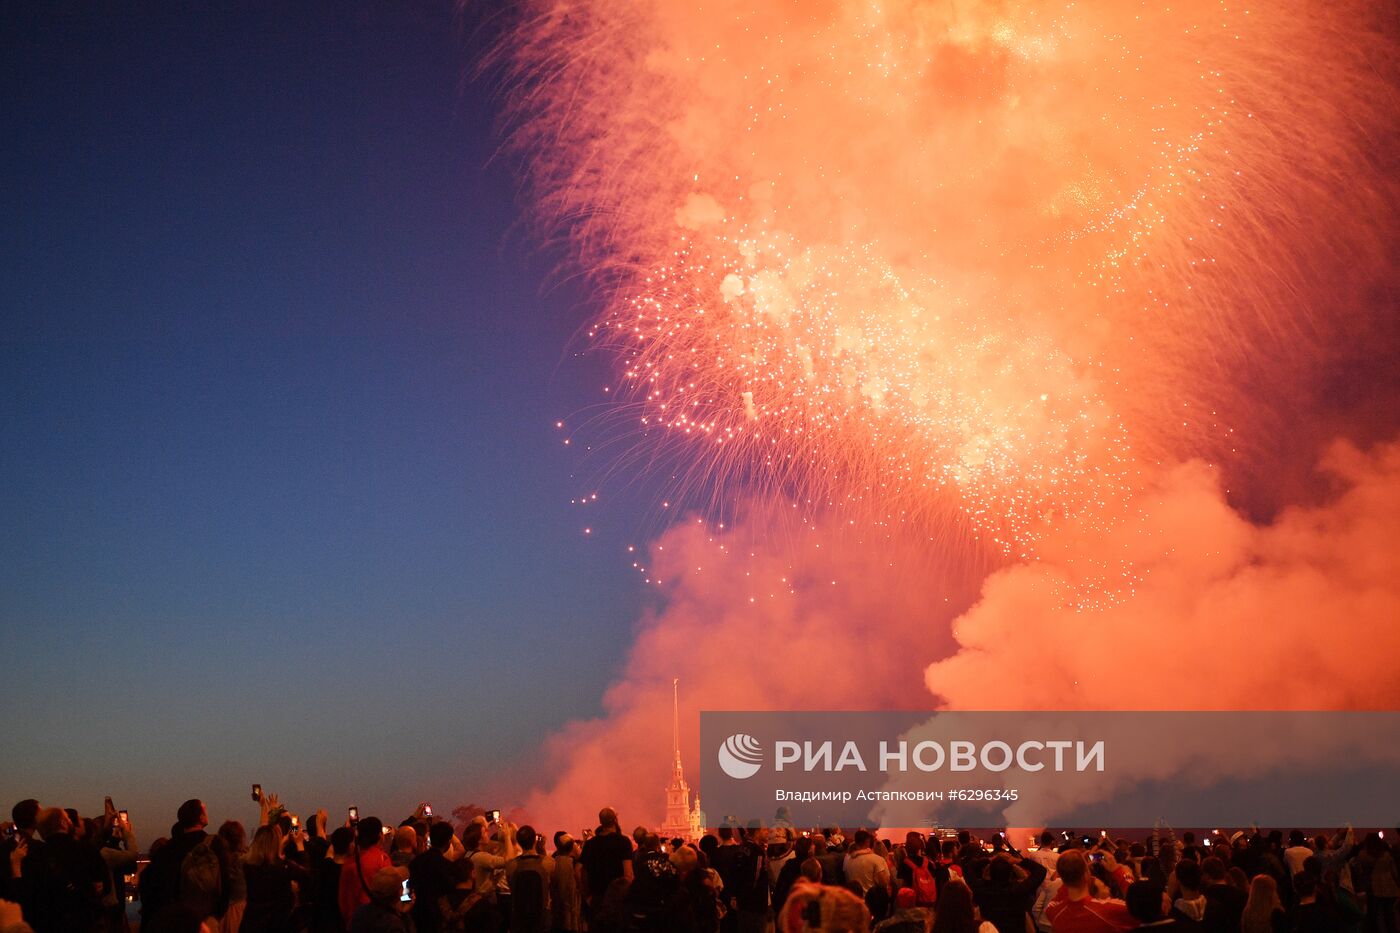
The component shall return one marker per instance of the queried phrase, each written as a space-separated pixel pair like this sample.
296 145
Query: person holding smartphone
15 849
488 848
389 899
367 856
270 877
119 852
19 832
433 878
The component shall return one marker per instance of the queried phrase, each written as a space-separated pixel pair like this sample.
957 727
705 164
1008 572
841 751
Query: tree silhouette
463 815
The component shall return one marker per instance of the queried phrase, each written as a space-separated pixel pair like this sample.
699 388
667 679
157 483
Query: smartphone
296 823
354 814
428 810
257 793
493 816
1206 843
1097 856
123 818
405 897
385 830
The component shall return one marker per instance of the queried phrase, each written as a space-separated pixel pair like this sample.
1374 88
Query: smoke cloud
1025 323
787 619
1300 613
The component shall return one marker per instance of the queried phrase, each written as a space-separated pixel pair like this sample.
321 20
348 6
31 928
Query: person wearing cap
386 911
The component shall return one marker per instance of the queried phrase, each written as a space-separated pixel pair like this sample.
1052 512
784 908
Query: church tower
681 819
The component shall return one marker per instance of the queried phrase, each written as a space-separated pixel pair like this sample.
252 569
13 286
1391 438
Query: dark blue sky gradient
282 494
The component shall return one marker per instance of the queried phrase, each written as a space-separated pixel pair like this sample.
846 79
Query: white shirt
488 873
866 869
1294 857
1047 857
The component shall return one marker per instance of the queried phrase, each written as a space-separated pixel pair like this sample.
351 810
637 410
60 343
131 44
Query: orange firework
928 259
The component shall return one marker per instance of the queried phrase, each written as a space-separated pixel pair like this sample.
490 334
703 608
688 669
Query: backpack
201 875
925 888
455 911
527 899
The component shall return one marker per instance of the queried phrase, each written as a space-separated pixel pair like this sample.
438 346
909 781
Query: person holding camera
367 857
20 839
388 906
431 878
487 854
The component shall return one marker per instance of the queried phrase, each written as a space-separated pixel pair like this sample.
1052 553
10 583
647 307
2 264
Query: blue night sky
280 362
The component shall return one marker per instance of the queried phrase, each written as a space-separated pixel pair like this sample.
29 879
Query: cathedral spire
676 720
682 819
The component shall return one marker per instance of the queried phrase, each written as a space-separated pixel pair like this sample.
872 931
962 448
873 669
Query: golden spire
676 719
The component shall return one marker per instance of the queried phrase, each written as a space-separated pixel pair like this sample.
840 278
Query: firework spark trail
996 265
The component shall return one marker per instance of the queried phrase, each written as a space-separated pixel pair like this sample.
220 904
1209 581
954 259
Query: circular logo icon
740 756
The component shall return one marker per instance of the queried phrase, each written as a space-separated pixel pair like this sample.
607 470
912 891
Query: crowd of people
63 873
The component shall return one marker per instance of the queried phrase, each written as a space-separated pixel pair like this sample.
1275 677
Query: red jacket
1088 915
355 877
